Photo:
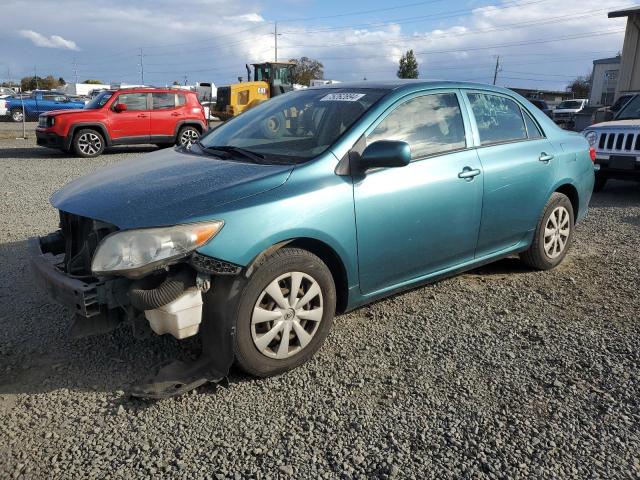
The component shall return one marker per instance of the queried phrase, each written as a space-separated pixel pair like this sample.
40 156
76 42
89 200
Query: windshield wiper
253 156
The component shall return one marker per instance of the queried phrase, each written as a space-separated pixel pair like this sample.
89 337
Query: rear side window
163 100
498 118
430 124
134 101
180 99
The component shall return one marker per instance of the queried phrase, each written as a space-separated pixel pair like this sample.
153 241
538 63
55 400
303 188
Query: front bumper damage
101 305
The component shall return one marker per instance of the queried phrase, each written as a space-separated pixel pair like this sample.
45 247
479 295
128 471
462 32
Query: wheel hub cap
556 232
286 315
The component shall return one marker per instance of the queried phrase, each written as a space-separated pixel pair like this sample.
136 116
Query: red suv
162 116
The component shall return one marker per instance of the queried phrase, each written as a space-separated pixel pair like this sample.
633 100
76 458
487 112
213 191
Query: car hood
69 111
632 124
167 187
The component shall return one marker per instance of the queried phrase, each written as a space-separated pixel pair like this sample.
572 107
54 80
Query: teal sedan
311 204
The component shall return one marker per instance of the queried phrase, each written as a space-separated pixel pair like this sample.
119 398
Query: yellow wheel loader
269 79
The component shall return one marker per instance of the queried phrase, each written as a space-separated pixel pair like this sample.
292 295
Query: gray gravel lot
499 373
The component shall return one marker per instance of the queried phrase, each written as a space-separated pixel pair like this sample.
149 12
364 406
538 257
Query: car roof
402 84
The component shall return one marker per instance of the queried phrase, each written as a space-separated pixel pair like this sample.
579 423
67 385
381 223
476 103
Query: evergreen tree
408 67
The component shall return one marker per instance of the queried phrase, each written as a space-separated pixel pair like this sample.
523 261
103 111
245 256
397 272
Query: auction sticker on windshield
342 97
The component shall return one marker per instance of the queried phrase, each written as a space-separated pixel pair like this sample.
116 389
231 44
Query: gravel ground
499 373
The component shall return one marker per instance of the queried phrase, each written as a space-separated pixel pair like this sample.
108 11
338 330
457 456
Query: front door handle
142 115
546 158
468 173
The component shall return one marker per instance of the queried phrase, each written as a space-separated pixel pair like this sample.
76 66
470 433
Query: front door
519 166
419 219
133 124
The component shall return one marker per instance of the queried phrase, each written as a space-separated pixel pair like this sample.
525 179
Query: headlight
592 138
134 253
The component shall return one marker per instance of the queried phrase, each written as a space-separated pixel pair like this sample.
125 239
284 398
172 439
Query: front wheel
17 115
599 183
285 312
553 234
88 143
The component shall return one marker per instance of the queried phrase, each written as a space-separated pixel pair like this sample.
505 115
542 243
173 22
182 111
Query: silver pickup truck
617 145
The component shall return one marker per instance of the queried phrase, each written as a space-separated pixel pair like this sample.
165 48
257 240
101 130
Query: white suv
617 145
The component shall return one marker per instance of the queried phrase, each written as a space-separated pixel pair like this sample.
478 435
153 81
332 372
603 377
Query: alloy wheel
17 116
189 137
286 315
556 232
89 143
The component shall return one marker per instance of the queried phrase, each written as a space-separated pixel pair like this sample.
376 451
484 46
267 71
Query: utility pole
75 69
495 73
275 37
141 66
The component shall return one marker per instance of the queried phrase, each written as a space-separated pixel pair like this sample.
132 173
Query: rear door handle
142 115
468 173
546 158
175 114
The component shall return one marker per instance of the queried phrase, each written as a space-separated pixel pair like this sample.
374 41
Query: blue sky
542 43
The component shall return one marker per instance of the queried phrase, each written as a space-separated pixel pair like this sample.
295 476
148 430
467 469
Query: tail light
592 154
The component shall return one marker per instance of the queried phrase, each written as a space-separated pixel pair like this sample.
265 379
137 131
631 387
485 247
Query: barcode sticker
342 97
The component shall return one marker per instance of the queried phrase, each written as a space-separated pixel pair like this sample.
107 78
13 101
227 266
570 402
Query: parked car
317 201
3 107
542 105
564 113
123 117
617 145
39 102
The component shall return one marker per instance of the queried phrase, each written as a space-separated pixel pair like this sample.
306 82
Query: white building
80 88
604 81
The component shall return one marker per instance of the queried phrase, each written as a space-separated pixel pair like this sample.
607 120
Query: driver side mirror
384 154
121 107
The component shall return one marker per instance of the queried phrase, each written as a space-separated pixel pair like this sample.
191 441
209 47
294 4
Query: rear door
132 125
165 114
518 165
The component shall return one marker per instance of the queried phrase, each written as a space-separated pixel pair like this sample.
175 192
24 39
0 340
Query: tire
17 116
88 143
599 183
545 256
260 357
187 135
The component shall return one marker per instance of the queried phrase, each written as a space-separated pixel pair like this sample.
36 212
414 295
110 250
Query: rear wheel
188 136
553 234
285 312
17 115
88 143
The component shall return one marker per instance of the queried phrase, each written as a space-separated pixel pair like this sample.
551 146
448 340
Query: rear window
163 100
499 119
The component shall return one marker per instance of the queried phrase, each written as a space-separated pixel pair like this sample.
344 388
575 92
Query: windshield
296 126
570 104
99 100
631 110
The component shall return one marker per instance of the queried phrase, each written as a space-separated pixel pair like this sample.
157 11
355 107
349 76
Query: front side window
294 127
163 101
498 118
430 124
133 101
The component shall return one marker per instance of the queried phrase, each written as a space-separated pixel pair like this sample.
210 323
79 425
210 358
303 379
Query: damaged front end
148 278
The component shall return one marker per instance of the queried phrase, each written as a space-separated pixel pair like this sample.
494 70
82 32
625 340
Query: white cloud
247 17
54 41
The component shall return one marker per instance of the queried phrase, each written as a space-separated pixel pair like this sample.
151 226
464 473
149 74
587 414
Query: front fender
314 203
